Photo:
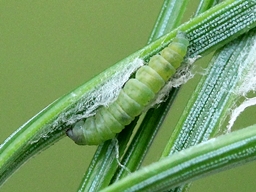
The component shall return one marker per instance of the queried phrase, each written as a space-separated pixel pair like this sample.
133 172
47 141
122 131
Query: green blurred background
48 48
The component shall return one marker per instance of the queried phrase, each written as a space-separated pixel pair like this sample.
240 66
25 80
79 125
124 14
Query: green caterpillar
136 94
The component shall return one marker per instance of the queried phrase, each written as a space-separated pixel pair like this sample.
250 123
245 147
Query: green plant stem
204 5
193 163
169 18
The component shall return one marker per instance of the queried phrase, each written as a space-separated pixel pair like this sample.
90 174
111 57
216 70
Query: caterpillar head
76 133
82 135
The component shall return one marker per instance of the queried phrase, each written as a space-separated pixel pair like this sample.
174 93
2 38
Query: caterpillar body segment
136 94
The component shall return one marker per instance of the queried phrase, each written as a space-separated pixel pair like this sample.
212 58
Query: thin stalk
210 157
204 5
